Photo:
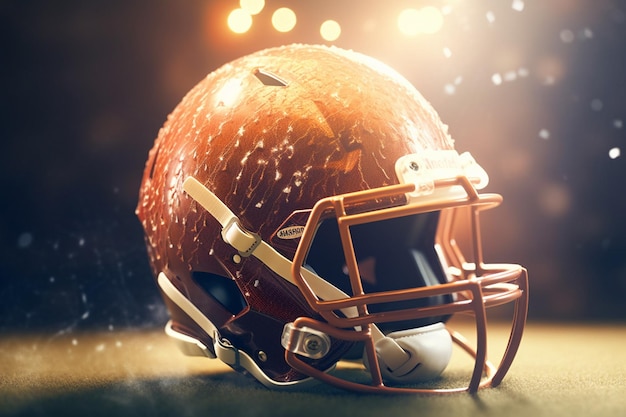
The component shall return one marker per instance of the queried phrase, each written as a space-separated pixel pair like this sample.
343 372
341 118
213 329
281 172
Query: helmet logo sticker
291 232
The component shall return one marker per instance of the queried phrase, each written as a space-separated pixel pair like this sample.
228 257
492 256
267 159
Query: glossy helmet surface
301 206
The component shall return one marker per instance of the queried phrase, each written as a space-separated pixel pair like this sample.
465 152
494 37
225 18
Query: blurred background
535 90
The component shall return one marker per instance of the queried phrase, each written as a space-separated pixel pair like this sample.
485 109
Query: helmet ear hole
222 289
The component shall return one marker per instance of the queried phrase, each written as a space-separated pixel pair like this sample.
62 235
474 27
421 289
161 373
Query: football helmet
302 206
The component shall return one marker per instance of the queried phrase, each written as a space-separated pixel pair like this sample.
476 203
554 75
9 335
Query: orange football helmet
302 205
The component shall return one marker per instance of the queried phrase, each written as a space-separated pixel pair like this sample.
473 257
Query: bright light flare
431 20
253 7
239 21
427 20
229 93
407 22
284 19
330 30
518 5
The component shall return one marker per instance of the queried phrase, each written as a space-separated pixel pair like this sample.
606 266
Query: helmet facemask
404 275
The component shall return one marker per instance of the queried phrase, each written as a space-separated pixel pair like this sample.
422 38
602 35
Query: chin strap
403 355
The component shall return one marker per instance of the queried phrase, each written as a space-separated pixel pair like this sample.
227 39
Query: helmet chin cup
413 355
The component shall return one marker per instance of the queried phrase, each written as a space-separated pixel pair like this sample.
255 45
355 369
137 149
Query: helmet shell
270 134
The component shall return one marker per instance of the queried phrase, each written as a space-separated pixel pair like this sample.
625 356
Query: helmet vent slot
269 79
222 289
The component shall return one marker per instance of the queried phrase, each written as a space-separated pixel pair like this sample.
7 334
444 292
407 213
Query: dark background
86 85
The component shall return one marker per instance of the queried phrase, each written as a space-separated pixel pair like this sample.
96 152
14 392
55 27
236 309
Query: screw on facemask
305 341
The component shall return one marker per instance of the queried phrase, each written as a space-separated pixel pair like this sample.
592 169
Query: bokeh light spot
554 199
253 7
330 30
544 134
24 240
408 22
284 19
596 104
431 20
567 36
239 21
412 22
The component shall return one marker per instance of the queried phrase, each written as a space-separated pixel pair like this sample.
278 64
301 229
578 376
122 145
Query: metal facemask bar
441 181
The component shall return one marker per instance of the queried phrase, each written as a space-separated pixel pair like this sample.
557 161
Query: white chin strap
405 356
414 355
